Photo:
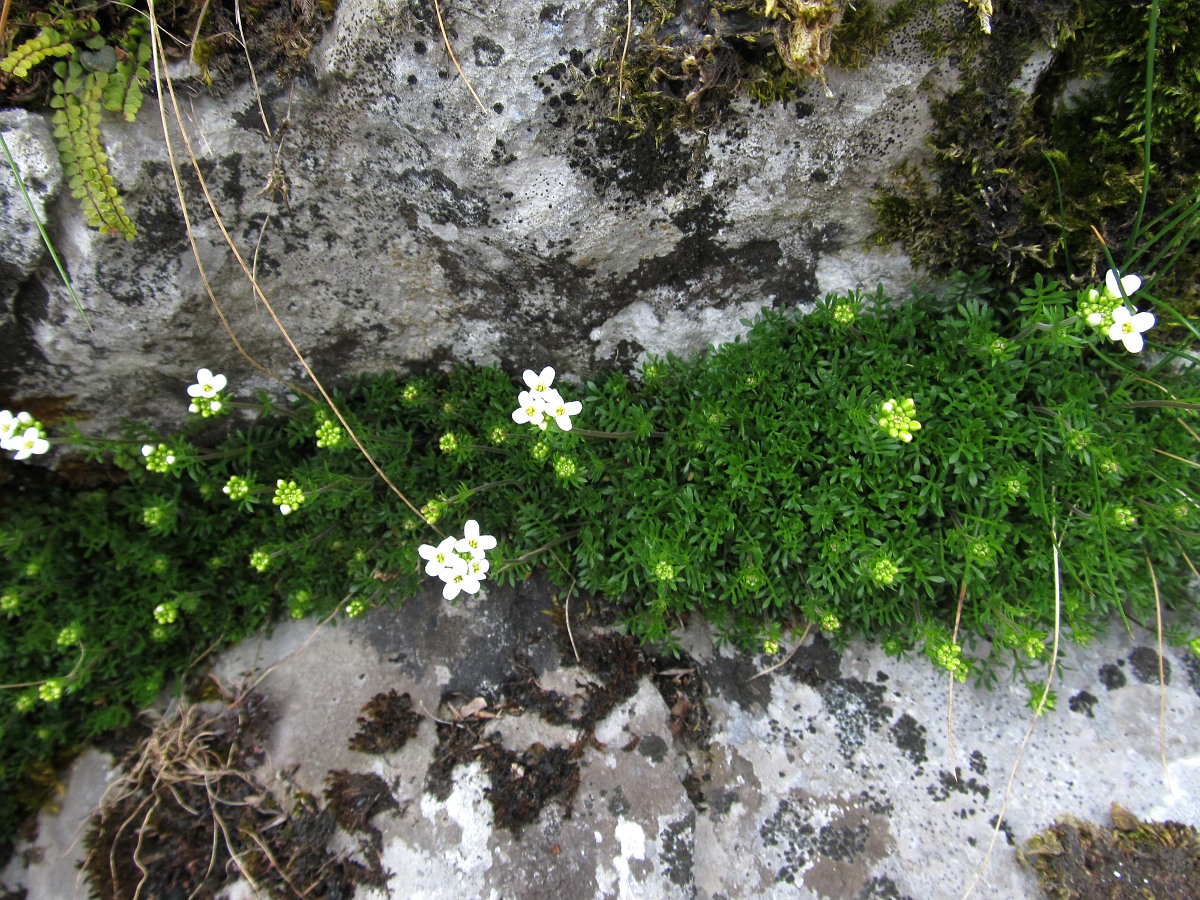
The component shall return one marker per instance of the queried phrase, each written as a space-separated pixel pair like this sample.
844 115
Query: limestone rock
392 224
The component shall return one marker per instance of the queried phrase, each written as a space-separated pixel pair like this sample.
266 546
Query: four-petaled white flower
438 557
27 444
474 544
207 384
458 580
1126 287
1128 328
531 410
560 410
539 383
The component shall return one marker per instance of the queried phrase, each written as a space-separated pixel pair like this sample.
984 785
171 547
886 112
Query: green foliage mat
762 485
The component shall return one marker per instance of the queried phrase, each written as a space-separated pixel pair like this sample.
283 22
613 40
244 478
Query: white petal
1134 343
218 383
1129 284
1143 321
195 390
203 375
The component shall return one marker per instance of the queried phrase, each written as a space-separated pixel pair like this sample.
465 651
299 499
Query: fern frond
77 134
46 43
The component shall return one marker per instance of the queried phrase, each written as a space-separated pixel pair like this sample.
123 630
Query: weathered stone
393 225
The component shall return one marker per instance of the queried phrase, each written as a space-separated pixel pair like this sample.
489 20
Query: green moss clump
1020 181
1074 860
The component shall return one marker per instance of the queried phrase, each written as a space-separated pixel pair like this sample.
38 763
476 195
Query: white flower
27 444
459 579
207 384
147 449
531 409
1128 328
539 383
439 557
1127 287
8 427
473 543
560 410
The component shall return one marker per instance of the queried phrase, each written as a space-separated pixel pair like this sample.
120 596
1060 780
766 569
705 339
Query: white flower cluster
542 402
460 562
22 435
1109 311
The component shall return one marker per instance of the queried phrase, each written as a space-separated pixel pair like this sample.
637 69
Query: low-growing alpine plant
901 471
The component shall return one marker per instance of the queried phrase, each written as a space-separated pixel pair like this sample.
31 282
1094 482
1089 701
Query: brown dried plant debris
387 724
1132 860
190 816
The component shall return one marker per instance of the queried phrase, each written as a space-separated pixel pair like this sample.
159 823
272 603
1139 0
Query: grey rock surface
831 777
416 230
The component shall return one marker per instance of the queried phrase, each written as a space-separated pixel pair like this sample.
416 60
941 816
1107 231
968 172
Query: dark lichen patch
388 723
954 783
843 842
488 53
856 707
1111 677
880 887
815 664
977 762
1077 860
909 736
653 748
1083 702
1143 662
1192 665
678 843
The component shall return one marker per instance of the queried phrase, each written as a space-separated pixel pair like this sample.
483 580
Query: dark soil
387 724
1132 860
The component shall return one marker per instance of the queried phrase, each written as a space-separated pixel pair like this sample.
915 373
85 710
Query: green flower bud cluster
288 496
830 622
330 436
498 436
237 488
448 443
752 579
845 311
981 552
70 636
411 394
260 560
664 571
434 510
896 417
884 572
948 655
540 451
206 407
51 691
10 603
357 608
166 613
159 458
1123 517
565 467
299 603
158 516
770 646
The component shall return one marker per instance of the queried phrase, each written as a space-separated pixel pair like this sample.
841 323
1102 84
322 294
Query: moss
685 62
1020 181
1075 860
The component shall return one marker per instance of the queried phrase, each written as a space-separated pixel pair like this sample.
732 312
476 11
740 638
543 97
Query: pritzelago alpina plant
1111 311
777 480
207 397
